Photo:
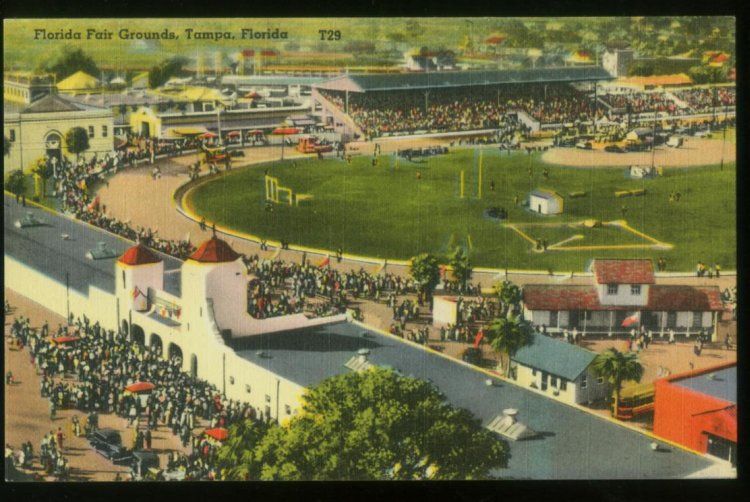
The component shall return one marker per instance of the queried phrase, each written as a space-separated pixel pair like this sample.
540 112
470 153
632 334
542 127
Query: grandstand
373 106
420 103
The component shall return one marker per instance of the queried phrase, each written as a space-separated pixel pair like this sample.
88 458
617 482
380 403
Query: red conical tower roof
139 255
214 250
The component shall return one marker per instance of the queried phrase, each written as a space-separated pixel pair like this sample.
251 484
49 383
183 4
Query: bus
635 400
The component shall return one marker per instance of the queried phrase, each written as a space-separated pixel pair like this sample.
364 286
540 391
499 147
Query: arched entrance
137 335
194 366
174 351
53 149
156 344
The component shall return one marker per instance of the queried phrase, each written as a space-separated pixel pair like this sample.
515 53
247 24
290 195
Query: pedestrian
148 439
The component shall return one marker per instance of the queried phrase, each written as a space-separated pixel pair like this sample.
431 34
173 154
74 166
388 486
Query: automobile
614 149
30 220
674 141
144 464
108 443
236 153
472 355
703 133
584 145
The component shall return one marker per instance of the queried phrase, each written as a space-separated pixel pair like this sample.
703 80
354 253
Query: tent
207 135
233 134
139 387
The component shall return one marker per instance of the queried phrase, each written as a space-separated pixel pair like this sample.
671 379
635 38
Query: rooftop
138 255
44 249
53 103
545 194
432 80
555 357
623 271
309 356
660 298
214 250
721 384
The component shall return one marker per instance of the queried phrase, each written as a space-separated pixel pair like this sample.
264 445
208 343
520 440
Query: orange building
698 409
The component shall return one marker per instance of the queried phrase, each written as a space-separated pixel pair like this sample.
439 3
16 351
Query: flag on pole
630 320
478 338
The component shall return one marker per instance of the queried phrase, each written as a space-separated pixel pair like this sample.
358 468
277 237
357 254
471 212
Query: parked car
108 443
145 465
614 149
472 355
584 145
703 133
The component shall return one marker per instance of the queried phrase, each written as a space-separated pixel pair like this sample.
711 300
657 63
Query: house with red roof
623 296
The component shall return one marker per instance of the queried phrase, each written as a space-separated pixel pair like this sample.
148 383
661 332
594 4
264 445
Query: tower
137 270
214 286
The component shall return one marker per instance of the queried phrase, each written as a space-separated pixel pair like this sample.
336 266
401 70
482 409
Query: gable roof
448 79
545 194
660 298
214 250
623 271
78 80
555 357
55 103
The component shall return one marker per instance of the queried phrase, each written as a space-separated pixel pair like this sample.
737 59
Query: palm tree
510 296
617 367
509 334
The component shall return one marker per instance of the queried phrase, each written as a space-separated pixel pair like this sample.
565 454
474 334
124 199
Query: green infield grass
398 209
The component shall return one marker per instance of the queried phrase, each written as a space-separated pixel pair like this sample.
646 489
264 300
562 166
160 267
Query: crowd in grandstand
381 113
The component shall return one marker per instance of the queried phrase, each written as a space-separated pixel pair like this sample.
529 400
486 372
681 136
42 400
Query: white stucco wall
623 296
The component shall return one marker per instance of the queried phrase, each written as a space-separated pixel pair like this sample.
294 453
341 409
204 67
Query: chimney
510 415
362 354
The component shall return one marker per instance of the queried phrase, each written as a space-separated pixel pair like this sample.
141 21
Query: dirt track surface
694 152
27 413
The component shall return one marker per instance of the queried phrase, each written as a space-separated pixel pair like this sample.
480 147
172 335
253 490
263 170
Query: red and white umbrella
284 131
139 387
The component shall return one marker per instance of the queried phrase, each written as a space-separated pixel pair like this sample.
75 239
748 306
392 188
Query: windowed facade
611 289
91 131
12 135
553 318
635 289
697 319
584 382
563 384
600 381
104 131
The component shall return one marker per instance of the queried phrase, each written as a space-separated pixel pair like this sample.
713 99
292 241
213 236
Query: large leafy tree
507 335
165 70
376 425
236 458
462 270
425 269
70 61
77 140
6 146
16 183
618 367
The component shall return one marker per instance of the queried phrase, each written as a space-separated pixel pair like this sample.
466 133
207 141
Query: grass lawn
385 211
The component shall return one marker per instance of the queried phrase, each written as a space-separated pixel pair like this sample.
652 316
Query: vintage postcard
370 249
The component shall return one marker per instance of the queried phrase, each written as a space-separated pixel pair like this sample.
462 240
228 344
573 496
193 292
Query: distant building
39 129
430 61
139 81
78 82
624 296
617 61
24 87
545 202
559 369
698 409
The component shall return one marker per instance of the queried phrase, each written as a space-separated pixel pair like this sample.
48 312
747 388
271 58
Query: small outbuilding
545 202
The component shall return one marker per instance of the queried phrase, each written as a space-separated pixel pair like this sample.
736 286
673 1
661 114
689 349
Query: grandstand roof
432 80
